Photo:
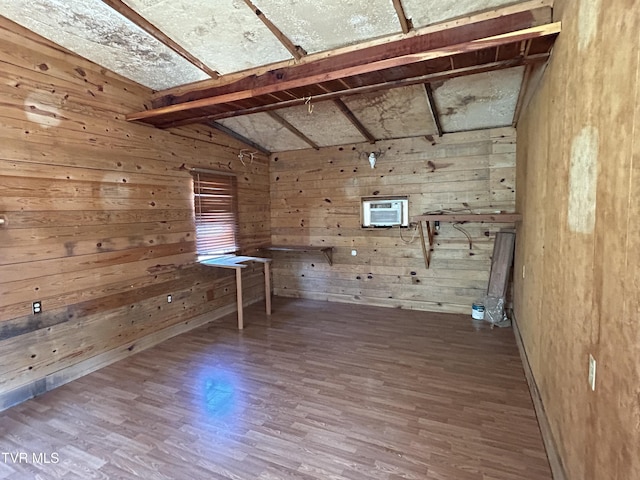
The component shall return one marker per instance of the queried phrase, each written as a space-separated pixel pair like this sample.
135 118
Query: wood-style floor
323 391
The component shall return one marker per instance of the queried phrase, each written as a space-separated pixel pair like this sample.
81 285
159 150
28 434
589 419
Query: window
216 212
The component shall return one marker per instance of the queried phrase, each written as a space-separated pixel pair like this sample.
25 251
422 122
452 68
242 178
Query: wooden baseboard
56 379
555 461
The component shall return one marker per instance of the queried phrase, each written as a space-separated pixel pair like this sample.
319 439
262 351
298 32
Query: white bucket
477 311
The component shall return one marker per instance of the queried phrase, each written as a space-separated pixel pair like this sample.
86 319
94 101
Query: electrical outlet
36 307
354 253
592 372
169 299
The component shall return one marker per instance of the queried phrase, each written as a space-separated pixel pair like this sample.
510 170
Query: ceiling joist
337 68
509 18
523 91
293 130
295 50
354 120
130 14
405 23
434 77
237 136
433 108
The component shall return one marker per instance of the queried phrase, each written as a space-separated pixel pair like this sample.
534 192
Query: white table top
232 261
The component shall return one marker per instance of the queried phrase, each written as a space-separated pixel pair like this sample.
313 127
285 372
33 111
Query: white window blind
216 212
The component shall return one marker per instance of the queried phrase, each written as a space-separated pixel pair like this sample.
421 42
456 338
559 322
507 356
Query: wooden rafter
364 66
354 120
434 77
524 86
293 130
433 108
130 14
517 16
405 23
237 136
296 50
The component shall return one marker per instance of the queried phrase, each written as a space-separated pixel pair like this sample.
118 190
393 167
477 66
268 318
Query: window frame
221 207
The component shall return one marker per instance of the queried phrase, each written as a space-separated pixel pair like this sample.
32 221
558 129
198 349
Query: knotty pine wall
315 200
99 219
579 191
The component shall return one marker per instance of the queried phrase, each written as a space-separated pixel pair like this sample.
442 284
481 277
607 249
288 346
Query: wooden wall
578 185
315 200
99 219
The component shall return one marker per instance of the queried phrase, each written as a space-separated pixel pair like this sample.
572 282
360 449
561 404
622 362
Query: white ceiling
227 36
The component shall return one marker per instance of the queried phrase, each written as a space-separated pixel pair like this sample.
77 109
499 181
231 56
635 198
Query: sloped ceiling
285 75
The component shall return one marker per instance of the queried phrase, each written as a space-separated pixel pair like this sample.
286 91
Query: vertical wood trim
267 287
239 298
553 455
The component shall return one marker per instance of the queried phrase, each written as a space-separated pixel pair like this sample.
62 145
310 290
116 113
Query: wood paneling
99 218
315 200
577 189
318 392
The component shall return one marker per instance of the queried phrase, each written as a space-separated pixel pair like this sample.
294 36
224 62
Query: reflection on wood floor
321 391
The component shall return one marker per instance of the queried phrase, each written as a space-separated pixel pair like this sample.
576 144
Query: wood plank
502 260
520 15
370 66
431 77
102 274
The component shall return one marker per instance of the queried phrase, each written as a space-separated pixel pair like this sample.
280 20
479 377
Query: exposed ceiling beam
296 50
405 23
237 136
130 14
354 120
433 77
278 85
432 107
293 130
516 16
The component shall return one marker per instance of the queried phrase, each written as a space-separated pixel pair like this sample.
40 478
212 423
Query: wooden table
236 262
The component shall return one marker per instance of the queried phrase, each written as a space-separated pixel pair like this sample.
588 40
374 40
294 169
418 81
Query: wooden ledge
327 251
469 217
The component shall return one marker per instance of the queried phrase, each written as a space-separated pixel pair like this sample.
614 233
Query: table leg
239 298
267 287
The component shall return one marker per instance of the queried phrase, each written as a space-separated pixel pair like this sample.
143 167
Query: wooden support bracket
430 220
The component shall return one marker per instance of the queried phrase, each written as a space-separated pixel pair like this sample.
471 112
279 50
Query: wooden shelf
327 251
430 220
470 217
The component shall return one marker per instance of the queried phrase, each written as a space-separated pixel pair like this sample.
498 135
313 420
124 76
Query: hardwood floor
322 391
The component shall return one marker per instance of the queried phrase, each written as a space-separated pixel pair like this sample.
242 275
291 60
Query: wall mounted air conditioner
385 212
